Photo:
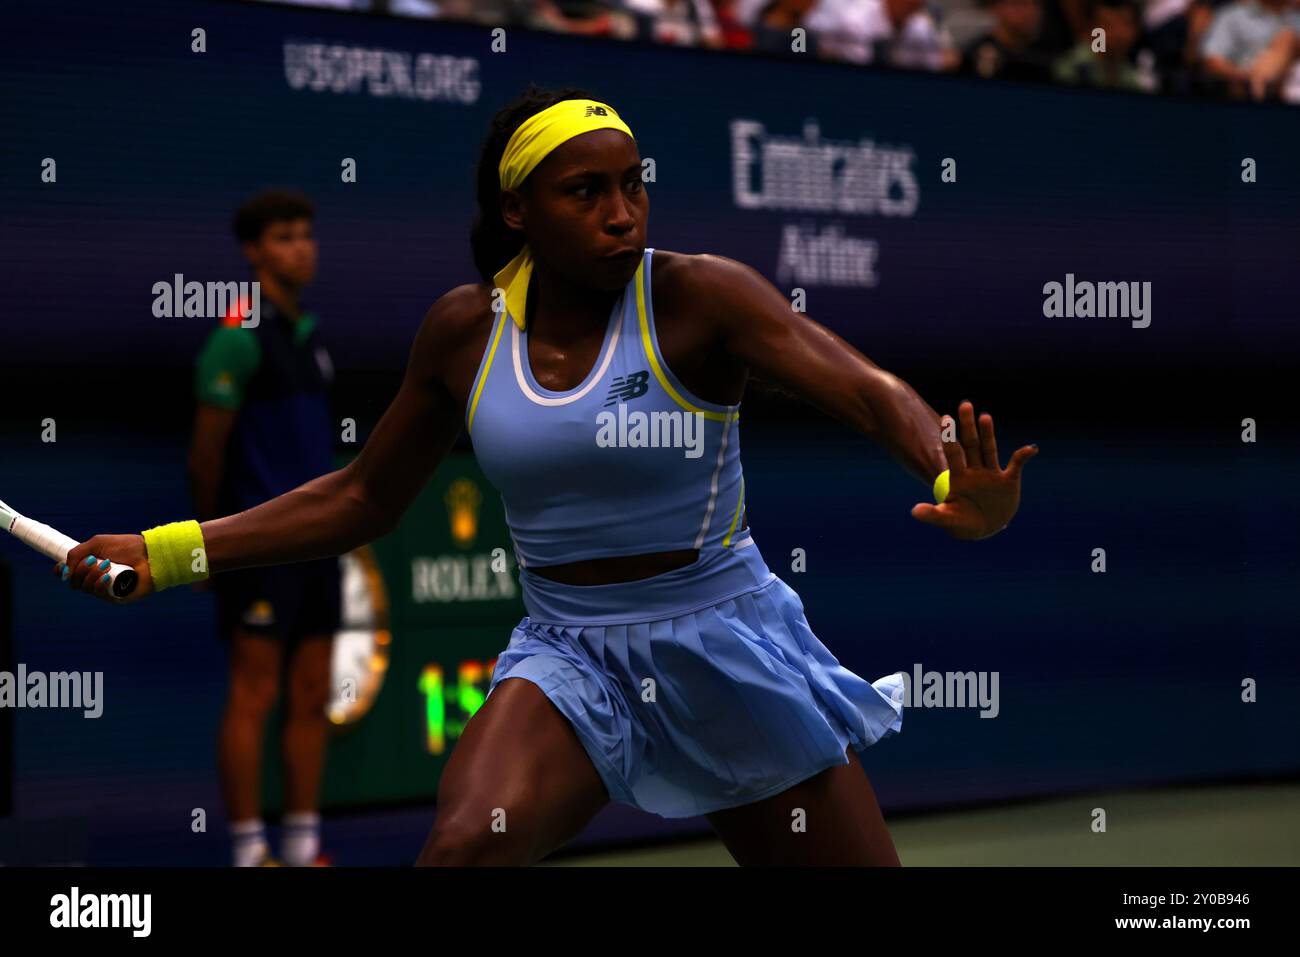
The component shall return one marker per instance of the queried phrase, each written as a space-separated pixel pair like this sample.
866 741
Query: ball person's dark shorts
285 602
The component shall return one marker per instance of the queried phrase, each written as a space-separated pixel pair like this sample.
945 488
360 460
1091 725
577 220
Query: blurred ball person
263 426
1113 67
1007 51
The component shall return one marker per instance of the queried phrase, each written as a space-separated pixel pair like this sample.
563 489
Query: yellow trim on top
487 367
648 346
735 518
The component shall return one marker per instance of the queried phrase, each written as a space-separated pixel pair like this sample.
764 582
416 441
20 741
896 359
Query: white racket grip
52 543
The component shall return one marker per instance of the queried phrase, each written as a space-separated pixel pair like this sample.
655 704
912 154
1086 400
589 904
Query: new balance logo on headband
596 111
626 388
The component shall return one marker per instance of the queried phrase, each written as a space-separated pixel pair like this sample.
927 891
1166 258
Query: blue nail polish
105 578
67 572
105 563
90 559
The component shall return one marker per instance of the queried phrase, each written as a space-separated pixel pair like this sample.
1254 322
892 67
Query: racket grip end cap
123 582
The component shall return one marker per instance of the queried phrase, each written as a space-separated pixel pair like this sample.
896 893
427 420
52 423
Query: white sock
301 845
249 840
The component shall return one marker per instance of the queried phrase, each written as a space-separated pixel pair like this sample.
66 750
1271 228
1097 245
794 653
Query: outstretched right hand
123 549
982 496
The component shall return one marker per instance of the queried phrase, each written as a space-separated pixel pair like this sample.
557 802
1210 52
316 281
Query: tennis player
263 426
661 663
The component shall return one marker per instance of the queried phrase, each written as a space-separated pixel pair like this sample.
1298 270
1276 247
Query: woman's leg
831 819
517 785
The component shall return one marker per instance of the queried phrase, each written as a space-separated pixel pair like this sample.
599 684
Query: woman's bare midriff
620 568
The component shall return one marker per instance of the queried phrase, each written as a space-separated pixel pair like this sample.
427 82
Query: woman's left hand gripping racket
54 544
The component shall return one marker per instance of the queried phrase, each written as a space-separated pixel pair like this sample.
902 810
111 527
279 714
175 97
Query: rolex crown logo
463 501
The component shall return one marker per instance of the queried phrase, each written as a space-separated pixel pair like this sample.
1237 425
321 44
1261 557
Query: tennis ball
941 487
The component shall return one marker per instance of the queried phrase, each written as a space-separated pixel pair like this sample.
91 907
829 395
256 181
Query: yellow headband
531 143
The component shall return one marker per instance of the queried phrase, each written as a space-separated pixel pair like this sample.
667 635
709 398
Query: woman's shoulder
689 281
461 313
693 272
454 331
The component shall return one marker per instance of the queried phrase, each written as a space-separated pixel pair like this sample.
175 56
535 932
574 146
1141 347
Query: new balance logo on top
625 388
646 430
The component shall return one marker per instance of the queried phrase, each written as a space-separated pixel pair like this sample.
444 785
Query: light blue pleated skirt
697 690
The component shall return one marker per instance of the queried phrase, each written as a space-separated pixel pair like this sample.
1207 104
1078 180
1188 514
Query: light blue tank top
628 462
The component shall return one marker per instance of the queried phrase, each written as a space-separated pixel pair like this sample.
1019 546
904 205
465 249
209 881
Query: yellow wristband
941 487
175 552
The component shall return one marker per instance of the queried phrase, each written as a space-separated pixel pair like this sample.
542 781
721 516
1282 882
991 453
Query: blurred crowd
1245 49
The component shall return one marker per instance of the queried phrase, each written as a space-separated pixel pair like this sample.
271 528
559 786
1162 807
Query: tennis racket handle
52 543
